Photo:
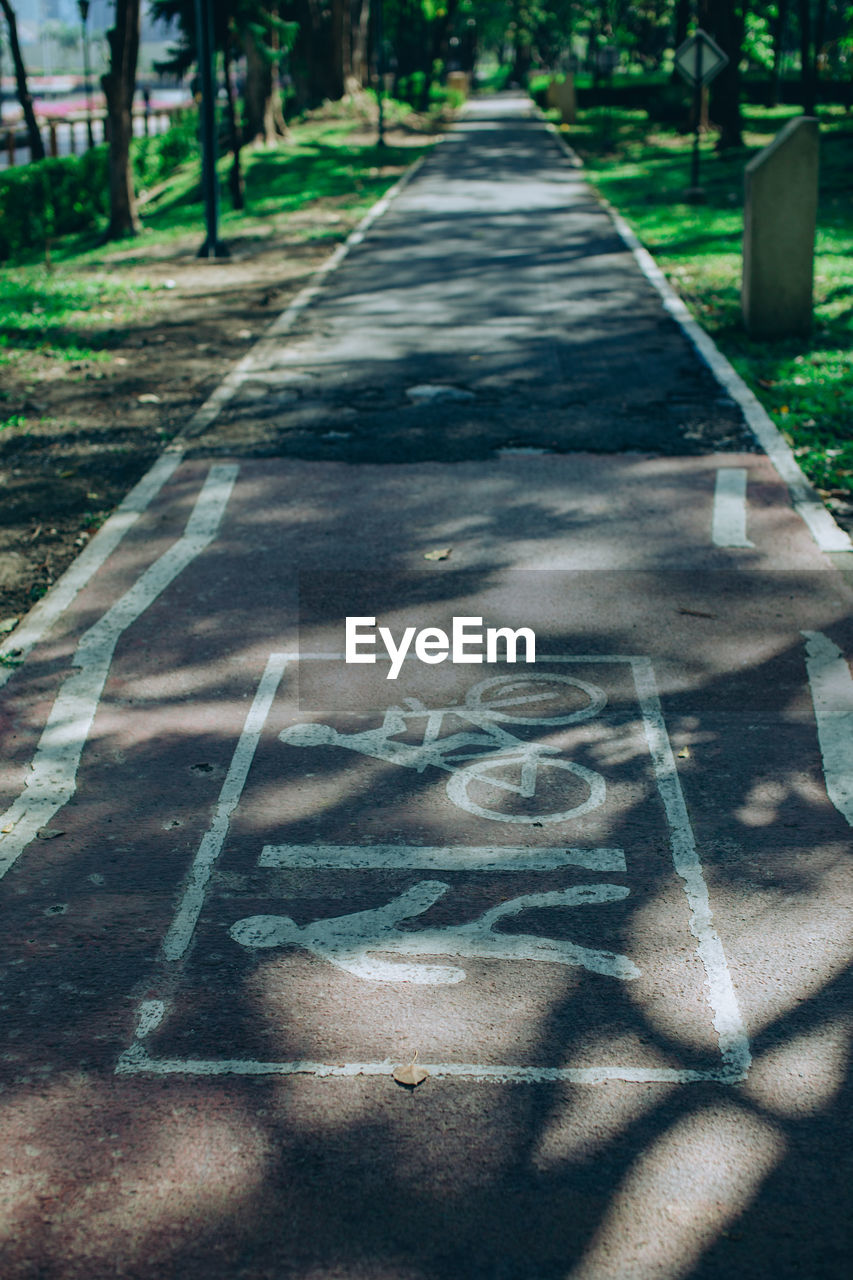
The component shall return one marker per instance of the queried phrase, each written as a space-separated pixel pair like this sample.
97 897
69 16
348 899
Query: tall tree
36 144
119 85
265 37
812 33
725 20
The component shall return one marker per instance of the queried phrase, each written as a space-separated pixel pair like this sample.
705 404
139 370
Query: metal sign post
699 60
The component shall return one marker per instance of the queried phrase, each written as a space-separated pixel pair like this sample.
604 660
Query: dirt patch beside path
81 433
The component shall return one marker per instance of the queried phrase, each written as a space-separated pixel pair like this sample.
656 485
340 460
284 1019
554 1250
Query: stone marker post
460 81
564 98
780 212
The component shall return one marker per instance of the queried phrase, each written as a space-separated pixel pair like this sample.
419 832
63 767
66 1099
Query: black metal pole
83 6
212 247
697 111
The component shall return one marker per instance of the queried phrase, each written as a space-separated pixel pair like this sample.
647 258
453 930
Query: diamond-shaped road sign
700 58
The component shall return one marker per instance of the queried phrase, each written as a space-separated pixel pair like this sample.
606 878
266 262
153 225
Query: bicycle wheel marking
384 934
488 773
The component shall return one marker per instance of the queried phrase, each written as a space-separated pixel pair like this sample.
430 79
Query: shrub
155 157
51 198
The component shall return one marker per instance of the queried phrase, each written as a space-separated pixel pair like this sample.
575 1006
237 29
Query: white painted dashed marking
42 616
53 773
178 938
832 695
828 535
728 526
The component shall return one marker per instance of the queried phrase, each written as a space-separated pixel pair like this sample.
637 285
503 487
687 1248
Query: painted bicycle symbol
486 761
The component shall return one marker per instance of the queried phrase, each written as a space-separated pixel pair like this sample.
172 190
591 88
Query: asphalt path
602 900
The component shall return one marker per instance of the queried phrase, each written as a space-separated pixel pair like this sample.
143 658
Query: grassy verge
311 188
806 385
106 353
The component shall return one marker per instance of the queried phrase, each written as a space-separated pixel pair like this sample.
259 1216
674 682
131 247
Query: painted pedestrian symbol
485 752
356 942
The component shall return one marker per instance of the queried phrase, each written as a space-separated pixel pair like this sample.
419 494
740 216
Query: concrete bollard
460 81
561 94
780 213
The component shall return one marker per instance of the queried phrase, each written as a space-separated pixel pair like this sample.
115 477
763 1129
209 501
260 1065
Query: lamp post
83 6
213 246
379 37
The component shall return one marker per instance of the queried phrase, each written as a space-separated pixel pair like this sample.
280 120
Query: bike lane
222 940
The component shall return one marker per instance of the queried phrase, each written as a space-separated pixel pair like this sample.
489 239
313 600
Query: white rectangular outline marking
728 522
727 1018
389 857
183 925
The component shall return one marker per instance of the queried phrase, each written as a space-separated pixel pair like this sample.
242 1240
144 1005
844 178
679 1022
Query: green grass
319 164
806 385
76 309
57 315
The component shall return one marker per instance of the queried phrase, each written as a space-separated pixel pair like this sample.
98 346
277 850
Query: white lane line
181 929
728 525
439 857
832 694
828 535
53 777
258 358
136 1061
43 615
734 1045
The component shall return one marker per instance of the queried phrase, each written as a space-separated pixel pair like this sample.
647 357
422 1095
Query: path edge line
822 525
36 624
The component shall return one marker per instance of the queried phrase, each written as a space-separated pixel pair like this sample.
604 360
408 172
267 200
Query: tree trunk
779 28
807 68
339 16
235 177
682 19
263 119
36 144
119 85
725 20
360 31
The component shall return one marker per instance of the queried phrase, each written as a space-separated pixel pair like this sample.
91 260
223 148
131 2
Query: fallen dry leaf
442 553
148 398
684 753
411 1075
49 833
